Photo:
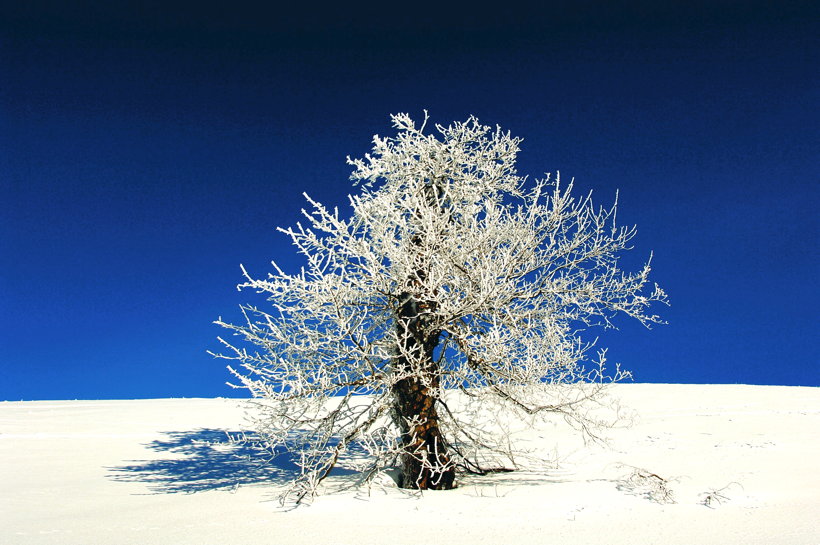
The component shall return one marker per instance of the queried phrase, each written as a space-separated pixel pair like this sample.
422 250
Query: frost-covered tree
456 290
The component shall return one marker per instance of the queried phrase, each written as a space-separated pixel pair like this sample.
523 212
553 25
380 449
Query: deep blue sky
146 151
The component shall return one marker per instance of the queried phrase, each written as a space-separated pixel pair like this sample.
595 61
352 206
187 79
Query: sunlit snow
700 464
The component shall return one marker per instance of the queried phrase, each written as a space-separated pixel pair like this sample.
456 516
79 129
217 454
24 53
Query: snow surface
158 471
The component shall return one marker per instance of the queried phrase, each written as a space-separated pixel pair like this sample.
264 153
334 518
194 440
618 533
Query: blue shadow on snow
206 459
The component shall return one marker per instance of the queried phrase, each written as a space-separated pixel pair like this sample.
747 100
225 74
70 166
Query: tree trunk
424 462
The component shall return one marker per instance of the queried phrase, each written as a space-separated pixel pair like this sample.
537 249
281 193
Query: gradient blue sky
146 150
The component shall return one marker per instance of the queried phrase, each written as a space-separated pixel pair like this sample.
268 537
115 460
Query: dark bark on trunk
424 462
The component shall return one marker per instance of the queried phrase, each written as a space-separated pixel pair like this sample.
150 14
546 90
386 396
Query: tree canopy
454 286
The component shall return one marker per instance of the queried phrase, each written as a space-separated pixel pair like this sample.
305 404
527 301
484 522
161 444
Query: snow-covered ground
739 464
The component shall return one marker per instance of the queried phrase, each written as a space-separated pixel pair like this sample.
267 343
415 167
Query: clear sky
148 149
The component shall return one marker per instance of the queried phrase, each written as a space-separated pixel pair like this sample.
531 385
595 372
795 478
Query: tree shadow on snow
206 459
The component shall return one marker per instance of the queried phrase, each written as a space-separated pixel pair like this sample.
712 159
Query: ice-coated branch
453 286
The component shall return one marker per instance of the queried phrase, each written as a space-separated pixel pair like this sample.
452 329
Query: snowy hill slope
700 464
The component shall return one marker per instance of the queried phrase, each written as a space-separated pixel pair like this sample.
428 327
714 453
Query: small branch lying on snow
642 482
715 497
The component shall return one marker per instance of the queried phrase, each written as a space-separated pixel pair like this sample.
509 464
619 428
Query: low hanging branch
452 274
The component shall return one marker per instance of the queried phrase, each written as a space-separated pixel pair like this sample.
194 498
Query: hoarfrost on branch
456 293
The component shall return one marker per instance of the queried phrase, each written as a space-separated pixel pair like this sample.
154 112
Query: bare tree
455 288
